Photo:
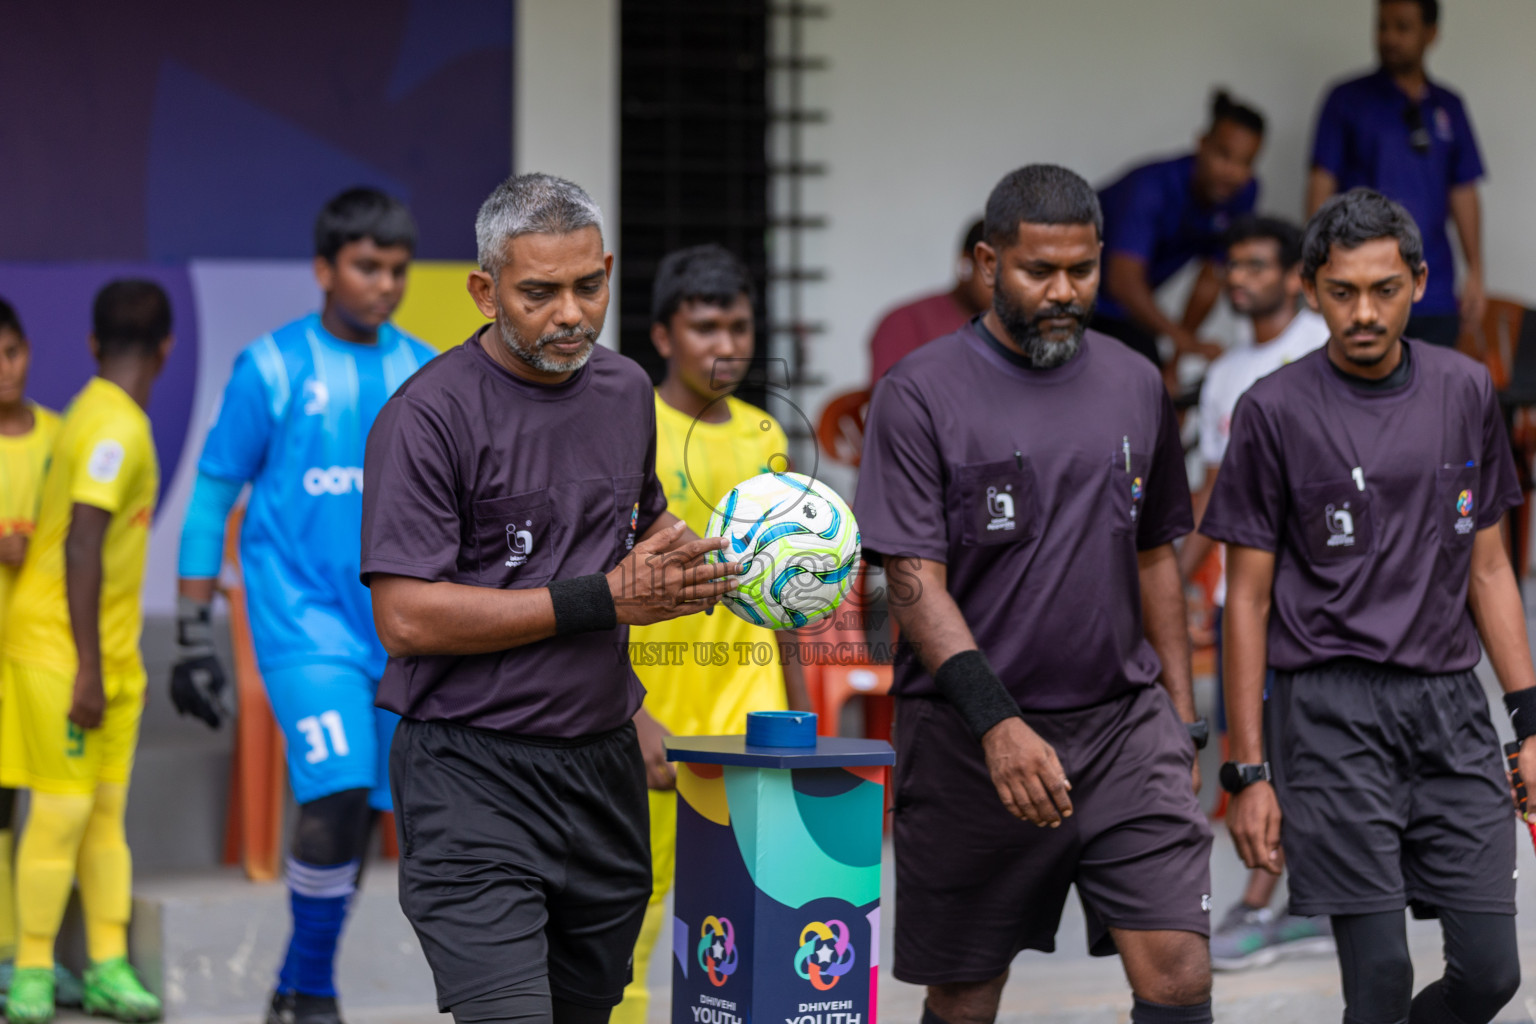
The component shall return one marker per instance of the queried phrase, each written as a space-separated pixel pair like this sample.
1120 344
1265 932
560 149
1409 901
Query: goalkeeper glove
198 686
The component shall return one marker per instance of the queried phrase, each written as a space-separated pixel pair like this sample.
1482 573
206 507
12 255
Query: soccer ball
799 543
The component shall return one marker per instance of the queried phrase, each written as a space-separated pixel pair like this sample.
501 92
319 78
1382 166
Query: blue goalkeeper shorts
336 739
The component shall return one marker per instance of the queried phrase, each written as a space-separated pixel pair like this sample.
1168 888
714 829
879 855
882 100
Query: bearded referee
1023 482
513 530
1360 500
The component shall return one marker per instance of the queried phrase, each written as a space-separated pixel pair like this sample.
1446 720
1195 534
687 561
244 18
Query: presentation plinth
776 906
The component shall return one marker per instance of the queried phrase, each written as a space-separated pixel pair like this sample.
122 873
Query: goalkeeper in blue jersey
293 423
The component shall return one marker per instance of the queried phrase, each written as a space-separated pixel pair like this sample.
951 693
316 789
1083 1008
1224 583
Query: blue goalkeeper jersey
294 421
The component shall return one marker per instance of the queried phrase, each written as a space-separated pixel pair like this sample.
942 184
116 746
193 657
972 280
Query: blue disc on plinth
781 728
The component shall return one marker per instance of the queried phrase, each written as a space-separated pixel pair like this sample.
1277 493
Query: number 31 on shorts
318 729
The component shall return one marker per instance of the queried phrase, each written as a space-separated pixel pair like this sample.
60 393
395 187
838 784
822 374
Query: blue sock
319 898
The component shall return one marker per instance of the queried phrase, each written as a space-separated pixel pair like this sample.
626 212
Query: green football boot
113 989
30 997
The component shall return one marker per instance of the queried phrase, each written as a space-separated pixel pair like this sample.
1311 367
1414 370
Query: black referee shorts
974 885
522 856
1392 791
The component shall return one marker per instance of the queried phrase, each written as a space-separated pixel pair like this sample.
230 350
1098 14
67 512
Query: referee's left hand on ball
666 577
1253 818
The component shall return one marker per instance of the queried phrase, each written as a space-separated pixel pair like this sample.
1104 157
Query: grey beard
533 353
1047 355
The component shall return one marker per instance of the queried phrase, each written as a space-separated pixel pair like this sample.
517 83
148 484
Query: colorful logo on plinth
717 949
825 954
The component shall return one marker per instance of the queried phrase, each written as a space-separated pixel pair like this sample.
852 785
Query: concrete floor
1067 987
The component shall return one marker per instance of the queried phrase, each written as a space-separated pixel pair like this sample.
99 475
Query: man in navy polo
1409 138
1163 214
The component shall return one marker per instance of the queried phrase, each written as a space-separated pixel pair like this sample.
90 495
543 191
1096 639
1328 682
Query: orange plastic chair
253 826
253 831
840 431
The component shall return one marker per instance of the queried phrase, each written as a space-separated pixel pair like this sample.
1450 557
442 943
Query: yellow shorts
41 749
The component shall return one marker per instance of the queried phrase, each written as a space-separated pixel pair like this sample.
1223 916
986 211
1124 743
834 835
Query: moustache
1073 312
572 334
1375 329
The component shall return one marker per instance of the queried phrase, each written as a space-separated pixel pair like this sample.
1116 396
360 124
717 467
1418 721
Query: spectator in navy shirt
1161 215
1396 131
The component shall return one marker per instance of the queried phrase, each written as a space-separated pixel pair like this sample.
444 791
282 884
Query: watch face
1231 778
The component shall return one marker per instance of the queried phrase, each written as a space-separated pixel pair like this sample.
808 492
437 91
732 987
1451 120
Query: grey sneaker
1290 936
1243 939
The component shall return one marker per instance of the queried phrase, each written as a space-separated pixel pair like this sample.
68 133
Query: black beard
1024 329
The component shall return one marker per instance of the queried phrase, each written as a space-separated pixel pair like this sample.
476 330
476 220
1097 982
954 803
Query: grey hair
531 204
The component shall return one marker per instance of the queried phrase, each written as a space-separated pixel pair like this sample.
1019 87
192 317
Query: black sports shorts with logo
522 856
975 885
1392 791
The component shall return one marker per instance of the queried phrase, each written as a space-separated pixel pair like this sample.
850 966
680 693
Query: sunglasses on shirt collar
1418 131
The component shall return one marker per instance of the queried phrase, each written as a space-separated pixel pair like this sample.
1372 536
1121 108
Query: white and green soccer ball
798 542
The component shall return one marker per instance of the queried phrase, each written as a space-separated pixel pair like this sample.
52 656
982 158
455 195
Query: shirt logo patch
1464 524
520 543
316 397
105 461
1000 508
634 524
1137 490
333 480
1341 526
1443 126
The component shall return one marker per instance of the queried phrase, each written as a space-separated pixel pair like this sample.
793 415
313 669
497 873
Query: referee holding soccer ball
513 529
1360 500
1023 482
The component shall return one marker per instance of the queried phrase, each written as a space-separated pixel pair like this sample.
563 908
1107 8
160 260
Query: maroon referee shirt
1369 501
479 477
1036 488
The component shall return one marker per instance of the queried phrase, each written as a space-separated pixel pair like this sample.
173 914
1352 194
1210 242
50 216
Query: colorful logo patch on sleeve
106 459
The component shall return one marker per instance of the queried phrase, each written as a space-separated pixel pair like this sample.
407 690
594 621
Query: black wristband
1521 705
968 682
583 604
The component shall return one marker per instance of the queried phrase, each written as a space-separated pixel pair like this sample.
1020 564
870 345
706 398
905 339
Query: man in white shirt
1263 285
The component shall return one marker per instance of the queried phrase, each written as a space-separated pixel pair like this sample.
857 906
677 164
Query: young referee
1023 482
1360 500
513 529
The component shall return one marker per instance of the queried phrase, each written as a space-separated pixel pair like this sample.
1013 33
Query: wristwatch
1200 732
1237 777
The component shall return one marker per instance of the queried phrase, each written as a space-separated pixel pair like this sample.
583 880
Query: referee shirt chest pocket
1335 521
1456 500
513 540
1127 490
626 494
998 502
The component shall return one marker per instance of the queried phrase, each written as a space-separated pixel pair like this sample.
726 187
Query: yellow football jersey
701 672
23 461
104 457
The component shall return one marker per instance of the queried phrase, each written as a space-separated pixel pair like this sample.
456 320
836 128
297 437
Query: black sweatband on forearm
583 604
1521 705
968 682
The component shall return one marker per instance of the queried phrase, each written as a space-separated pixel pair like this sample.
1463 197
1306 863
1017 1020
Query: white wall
930 103
565 102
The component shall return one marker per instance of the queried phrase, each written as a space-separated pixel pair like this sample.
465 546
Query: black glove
198 686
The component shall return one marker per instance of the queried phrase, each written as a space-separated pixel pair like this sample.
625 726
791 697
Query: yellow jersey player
72 674
702 674
26 437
